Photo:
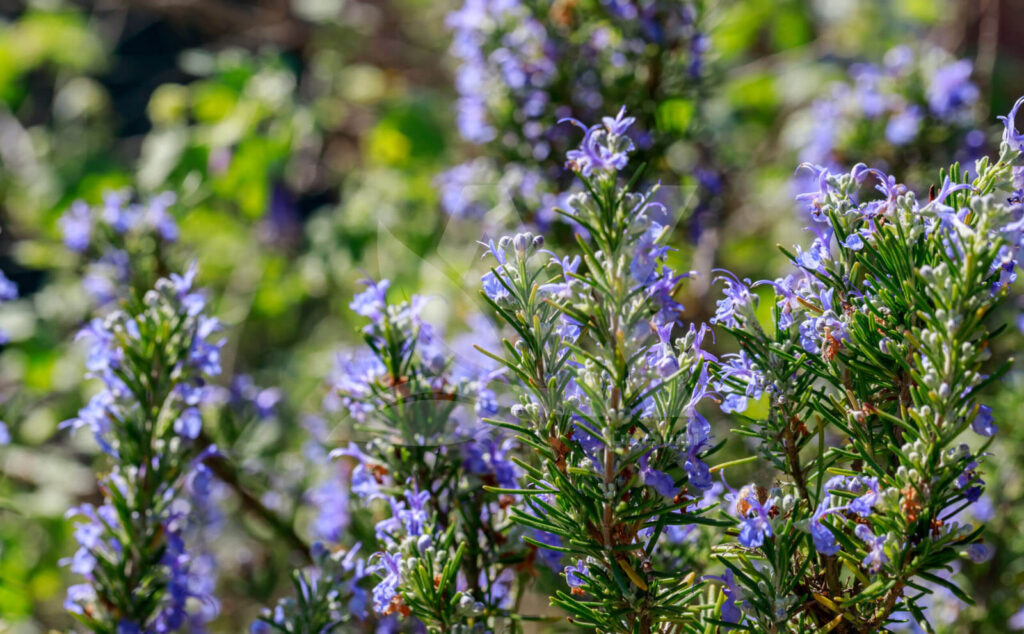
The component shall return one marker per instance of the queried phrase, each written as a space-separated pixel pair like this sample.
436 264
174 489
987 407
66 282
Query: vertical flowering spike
422 404
608 392
115 238
876 356
146 419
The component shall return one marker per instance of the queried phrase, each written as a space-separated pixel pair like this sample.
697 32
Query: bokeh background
310 143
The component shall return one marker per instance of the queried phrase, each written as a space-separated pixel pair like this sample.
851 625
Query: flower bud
521 242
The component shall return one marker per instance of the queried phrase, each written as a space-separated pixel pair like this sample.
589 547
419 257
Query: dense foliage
470 316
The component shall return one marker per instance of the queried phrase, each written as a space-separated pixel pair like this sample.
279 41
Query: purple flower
331 501
864 504
648 254
158 218
698 438
661 290
120 217
576 576
951 89
464 189
983 423
657 480
824 540
732 611
755 524
979 553
602 149
8 289
371 302
853 242
414 518
903 126
1016 622
79 596
387 567
1010 135
189 423
737 298
619 123
969 479
205 356
364 483
739 367
493 288
876 557
490 457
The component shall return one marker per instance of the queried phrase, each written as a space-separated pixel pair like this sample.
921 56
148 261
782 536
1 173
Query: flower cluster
328 595
420 569
609 385
522 67
444 549
875 357
153 359
115 236
884 109
516 59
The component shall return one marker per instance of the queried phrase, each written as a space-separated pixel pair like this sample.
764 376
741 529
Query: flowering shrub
122 244
885 110
607 396
872 364
444 554
153 358
522 67
566 446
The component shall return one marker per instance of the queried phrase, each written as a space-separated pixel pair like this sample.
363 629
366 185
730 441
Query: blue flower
387 567
739 367
78 597
576 576
1010 135
876 557
602 149
330 500
737 298
76 226
732 608
648 254
371 302
8 289
951 90
853 242
657 480
189 423
365 484
698 438
493 288
489 457
619 123
969 479
864 504
824 541
463 189
414 517
903 126
983 423
755 525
